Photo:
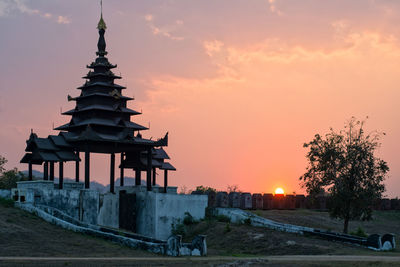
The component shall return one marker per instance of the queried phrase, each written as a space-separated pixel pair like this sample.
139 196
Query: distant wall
284 202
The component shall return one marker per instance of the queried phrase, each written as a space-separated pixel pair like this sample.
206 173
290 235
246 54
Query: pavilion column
165 180
30 171
61 175
46 170
112 172
87 169
154 176
52 171
138 177
77 169
149 167
121 178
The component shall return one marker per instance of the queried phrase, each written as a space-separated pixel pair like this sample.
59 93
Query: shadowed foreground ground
25 235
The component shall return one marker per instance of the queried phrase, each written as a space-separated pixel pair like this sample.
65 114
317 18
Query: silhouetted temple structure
100 123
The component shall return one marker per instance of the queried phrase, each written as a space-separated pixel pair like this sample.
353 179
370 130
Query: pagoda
101 123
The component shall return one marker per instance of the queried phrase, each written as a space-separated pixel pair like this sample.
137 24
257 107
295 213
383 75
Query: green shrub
223 218
209 213
178 229
188 219
247 221
227 228
360 232
9 179
7 203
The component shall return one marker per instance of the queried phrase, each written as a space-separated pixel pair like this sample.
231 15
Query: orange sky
239 85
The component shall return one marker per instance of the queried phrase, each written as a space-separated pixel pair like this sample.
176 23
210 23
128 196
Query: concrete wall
109 210
157 212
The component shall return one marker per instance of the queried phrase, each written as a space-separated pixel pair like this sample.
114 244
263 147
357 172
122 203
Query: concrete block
108 210
278 201
212 199
257 201
267 201
389 238
222 200
73 185
245 201
234 199
37 184
300 201
395 204
385 204
374 241
290 202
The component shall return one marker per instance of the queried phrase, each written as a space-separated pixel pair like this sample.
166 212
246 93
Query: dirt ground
25 235
383 221
242 240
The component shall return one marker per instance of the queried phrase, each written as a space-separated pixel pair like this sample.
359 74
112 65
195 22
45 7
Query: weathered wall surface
145 213
109 210
170 208
157 212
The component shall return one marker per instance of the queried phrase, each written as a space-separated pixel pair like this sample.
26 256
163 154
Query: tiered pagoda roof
101 112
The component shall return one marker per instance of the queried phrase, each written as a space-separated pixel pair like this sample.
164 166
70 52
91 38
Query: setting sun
279 191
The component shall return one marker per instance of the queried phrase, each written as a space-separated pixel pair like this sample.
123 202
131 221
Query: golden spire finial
101 24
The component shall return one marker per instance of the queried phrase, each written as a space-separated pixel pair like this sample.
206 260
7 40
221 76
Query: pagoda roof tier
53 148
110 95
103 84
125 138
115 108
27 158
167 166
117 122
35 142
108 74
105 64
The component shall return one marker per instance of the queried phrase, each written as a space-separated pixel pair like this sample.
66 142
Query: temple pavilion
100 123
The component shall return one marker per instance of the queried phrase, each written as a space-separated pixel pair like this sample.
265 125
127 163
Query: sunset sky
239 85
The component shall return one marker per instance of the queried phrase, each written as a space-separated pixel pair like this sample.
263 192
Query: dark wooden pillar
61 175
87 169
121 177
138 177
46 170
149 167
165 180
30 171
52 171
77 171
154 176
112 172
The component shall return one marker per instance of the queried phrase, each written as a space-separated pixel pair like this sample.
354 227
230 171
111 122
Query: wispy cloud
63 20
273 8
9 7
166 30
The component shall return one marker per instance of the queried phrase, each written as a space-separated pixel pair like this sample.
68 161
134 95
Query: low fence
248 201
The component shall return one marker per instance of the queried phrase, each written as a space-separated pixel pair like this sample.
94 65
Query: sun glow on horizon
279 191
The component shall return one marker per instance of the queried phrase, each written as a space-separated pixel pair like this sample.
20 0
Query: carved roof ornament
101 25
